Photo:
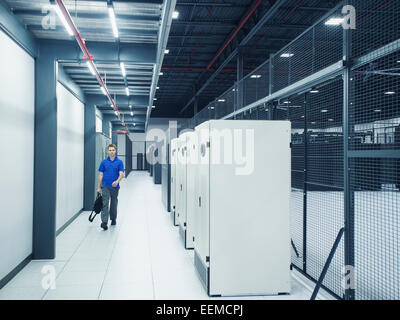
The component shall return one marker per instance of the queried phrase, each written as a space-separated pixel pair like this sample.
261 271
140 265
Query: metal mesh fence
377 24
374 125
324 178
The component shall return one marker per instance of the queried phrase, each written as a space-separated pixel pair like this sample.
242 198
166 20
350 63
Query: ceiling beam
261 22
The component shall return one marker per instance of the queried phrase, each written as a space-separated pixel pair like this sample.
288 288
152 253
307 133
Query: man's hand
98 190
115 183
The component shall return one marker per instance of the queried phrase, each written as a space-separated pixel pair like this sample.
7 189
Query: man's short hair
112 146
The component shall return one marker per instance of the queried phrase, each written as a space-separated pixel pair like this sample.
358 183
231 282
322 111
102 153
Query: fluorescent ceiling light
157 88
127 91
123 69
103 90
286 102
287 55
234 90
155 99
221 100
314 91
390 92
113 21
378 110
161 73
324 111
130 107
63 20
153 107
134 124
335 21
166 51
330 120
90 67
255 76
175 15
131 113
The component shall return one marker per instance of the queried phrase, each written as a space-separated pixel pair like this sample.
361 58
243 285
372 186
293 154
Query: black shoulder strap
91 217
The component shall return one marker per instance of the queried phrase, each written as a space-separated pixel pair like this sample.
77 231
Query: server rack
242 224
173 157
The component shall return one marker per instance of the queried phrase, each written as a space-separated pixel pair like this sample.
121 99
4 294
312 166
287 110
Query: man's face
111 152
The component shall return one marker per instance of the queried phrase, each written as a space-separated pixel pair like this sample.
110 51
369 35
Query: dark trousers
109 194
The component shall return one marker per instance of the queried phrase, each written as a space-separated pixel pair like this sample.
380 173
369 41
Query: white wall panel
70 155
17 105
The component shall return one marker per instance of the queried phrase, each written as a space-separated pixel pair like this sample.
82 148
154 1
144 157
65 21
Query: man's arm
121 175
99 182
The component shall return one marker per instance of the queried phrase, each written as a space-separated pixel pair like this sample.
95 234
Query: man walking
111 172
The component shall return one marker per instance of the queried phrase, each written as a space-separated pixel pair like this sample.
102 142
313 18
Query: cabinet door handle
199 201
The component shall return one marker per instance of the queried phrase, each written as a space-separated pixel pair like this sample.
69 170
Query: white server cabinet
181 181
173 160
187 195
242 236
191 181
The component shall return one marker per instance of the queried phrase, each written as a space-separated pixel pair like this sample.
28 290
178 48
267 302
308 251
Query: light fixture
134 124
335 21
90 67
153 107
255 76
314 91
155 99
130 107
131 113
286 102
103 90
157 88
175 15
63 20
221 100
113 21
161 73
378 110
123 69
330 120
287 55
127 91
116 113
324 111
166 51
234 90
390 92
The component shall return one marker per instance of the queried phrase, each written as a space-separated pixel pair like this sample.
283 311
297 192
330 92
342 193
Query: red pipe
234 34
87 56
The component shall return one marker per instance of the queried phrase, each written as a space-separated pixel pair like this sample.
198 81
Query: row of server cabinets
230 197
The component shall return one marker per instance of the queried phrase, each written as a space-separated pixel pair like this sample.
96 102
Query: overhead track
89 58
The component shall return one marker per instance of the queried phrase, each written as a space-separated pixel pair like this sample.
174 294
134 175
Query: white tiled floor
140 258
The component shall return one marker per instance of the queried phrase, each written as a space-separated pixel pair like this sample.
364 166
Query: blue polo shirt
111 171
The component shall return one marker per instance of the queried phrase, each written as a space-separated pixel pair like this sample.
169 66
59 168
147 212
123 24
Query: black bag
98 205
